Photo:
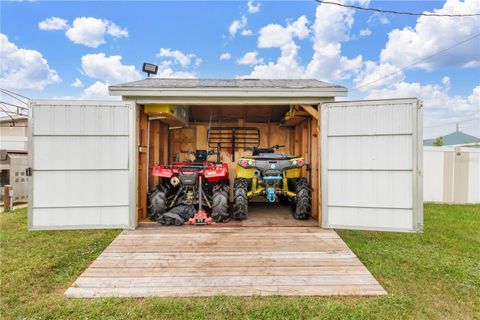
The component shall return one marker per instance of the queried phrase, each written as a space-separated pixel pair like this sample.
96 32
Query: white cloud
332 27
115 31
250 58
165 71
365 32
276 36
97 91
24 68
431 35
226 56
253 8
247 32
77 83
377 76
378 18
109 69
91 31
180 57
53 23
237 25
286 65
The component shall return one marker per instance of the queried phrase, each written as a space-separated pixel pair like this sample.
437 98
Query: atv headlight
251 162
294 162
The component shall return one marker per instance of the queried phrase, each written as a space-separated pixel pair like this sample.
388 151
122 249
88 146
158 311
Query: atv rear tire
303 200
240 199
157 203
220 205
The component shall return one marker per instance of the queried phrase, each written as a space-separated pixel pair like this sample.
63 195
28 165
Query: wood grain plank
224 271
346 290
223 281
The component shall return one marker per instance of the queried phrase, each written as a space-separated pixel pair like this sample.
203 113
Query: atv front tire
220 203
303 200
240 199
284 201
157 203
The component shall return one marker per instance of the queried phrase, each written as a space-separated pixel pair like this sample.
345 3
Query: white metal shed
84 154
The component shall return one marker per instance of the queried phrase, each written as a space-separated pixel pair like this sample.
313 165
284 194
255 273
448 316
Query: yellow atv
277 176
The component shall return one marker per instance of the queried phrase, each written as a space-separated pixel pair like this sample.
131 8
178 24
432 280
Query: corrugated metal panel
370 162
81 158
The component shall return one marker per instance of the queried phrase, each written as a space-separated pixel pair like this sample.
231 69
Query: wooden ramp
207 261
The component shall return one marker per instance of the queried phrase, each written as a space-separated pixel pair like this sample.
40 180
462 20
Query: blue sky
85 46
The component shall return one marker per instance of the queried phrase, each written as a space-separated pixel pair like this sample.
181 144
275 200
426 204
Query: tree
438 142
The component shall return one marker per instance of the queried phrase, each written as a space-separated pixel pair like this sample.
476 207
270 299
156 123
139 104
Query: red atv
181 183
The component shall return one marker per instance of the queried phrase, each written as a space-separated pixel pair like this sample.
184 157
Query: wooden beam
319 167
311 111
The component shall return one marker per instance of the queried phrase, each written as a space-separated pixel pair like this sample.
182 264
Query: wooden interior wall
142 145
158 149
315 166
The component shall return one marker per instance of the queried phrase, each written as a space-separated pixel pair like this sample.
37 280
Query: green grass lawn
435 274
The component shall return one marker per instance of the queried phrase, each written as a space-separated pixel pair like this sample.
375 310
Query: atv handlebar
276 146
210 153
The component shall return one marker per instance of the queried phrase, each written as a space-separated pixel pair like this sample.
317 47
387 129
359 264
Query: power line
425 14
416 62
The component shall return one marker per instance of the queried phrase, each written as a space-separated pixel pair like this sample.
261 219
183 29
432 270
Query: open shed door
371 165
81 162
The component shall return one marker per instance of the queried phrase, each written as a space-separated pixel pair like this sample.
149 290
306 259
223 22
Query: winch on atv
192 183
277 176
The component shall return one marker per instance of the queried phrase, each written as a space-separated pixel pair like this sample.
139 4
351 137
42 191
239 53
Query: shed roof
276 89
227 83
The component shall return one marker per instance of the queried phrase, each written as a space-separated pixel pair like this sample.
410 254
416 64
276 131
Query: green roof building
455 138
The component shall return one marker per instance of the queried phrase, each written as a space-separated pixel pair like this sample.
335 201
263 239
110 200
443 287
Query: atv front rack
234 138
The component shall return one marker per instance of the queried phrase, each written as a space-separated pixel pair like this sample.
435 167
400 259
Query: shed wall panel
368 218
370 152
370 120
80 188
82 164
72 217
81 120
81 152
370 189
371 165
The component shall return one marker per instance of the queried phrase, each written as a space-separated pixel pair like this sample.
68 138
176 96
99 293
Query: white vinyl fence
451 174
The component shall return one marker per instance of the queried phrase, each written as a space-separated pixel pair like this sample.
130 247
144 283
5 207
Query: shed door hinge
28 172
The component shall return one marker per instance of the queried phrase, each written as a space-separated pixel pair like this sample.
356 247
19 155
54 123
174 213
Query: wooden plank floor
206 261
260 214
